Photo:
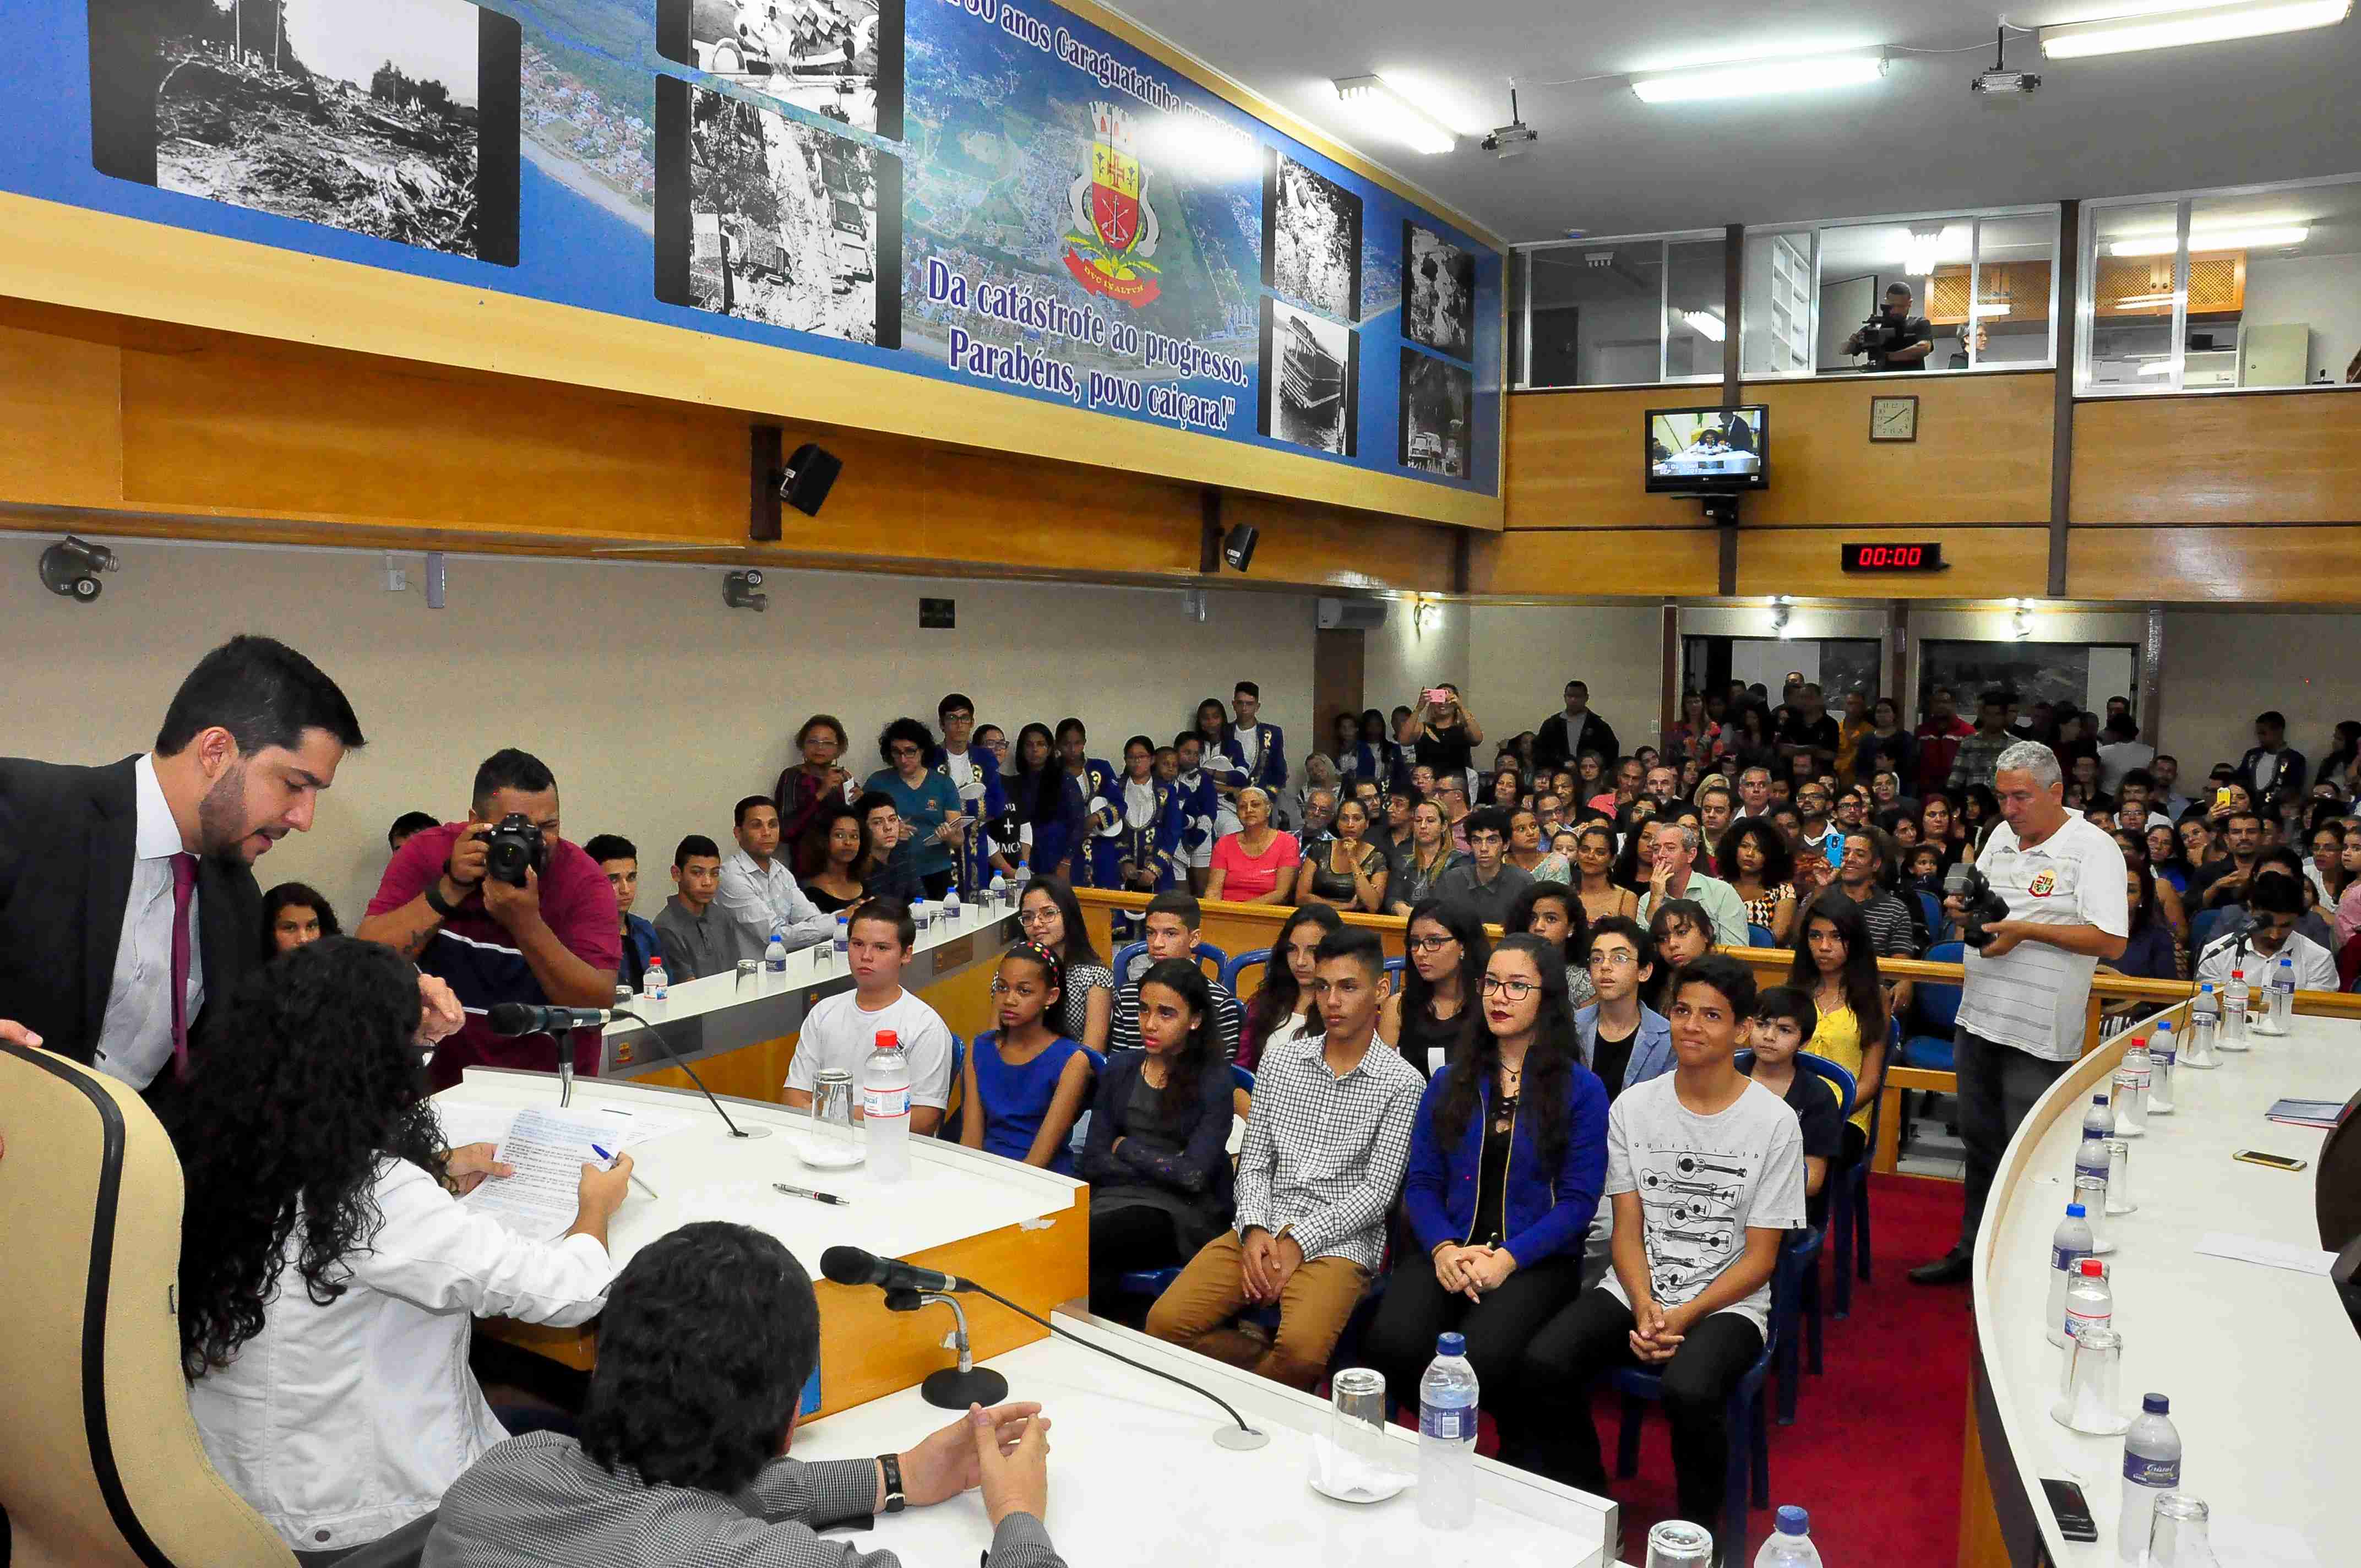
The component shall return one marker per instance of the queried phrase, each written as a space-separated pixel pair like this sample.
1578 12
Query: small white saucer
828 1154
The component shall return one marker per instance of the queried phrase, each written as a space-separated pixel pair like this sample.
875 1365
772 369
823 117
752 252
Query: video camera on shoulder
513 846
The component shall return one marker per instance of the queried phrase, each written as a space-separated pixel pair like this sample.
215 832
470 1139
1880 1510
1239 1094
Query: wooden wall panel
2246 458
61 420
1588 563
290 443
1573 459
1986 562
2236 565
1982 455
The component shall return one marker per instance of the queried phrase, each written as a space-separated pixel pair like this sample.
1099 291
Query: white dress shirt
342 1423
135 1040
760 900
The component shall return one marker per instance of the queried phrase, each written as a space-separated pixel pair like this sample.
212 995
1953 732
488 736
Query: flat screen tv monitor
1708 451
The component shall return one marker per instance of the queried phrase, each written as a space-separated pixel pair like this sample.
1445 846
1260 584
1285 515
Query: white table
1136 1477
2261 1364
715 1013
700 1172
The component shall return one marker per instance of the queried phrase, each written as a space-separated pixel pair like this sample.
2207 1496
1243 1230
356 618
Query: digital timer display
1893 557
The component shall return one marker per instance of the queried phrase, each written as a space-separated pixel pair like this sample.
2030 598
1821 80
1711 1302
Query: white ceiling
1915 141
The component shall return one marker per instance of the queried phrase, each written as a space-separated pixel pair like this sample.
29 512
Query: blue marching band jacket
975 856
1156 847
1100 792
1270 763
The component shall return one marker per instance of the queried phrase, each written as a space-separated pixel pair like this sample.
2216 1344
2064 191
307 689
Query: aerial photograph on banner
1440 310
1312 239
1436 398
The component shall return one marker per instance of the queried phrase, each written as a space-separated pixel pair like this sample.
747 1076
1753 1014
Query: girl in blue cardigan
1507 1158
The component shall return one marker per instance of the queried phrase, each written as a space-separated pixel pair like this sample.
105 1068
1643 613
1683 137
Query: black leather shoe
1951 1268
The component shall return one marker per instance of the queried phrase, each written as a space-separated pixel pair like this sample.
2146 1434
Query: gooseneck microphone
511 1018
852 1266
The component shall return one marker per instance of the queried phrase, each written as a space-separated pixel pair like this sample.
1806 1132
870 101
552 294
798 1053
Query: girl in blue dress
1025 1083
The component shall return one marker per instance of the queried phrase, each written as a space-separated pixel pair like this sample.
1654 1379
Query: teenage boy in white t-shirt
842 1030
1705 1169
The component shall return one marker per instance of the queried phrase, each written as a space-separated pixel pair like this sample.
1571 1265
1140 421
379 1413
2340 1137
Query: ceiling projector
1999 79
1510 140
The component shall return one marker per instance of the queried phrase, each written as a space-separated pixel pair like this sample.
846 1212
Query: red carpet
1876 1448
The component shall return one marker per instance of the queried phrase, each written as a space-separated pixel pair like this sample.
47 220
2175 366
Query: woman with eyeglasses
928 803
1052 917
802 785
1445 949
1508 1155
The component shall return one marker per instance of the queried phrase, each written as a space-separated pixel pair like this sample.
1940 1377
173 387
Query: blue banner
1003 196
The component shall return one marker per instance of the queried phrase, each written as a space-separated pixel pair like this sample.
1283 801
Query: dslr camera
513 846
1983 905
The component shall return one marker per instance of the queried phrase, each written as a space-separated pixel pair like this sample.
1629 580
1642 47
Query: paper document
475 1121
2270 1254
548 1150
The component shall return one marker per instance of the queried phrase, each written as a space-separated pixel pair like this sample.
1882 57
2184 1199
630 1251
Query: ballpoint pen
609 1159
815 1197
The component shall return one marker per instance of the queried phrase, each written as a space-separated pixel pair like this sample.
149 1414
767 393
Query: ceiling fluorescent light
2205 25
2211 239
1754 78
1925 248
1388 114
1705 323
1994 308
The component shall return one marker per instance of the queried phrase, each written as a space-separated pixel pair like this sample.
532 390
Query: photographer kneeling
2020 1020
503 910
1893 338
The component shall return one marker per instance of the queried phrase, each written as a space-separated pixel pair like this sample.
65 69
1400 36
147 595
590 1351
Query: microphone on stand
513 1018
916 1287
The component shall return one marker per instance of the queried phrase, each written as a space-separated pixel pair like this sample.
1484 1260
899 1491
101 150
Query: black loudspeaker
1239 547
810 474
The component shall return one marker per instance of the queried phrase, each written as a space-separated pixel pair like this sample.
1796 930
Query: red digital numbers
1890 557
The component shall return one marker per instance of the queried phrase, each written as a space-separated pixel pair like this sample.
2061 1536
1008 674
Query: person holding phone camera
1893 338
502 909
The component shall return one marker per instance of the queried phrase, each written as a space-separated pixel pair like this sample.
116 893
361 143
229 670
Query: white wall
1521 656
2323 292
1400 660
2221 670
655 706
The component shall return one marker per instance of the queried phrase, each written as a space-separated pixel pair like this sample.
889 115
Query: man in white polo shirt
2020 1021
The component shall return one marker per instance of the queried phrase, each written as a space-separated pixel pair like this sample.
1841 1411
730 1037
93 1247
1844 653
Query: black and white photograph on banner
1437 399
1310 380
768 219
394 118
1310 238
841 60
1441 279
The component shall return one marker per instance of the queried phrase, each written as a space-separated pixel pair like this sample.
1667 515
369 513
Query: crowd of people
1507 1137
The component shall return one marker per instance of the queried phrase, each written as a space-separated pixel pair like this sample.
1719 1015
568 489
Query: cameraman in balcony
502 909
2021 1008
1897 340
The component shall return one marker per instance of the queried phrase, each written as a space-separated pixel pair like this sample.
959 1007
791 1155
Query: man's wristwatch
891 1464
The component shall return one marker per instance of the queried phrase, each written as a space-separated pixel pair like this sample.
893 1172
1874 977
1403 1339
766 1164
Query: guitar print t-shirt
1703 1182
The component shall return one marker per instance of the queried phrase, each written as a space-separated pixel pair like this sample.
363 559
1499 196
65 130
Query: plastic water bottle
885 1108
2099 1118
775 957
1446 1437
1790 1545
2068 1247
2151 1468
2090 1164
2161 1058
844 934
2282 1009
2233 1013
2204 1029
950 906
653 985
2130 1080
2090 1298
999 892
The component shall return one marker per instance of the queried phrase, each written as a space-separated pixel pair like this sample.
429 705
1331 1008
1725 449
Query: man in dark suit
1258 749
115 882
1564 736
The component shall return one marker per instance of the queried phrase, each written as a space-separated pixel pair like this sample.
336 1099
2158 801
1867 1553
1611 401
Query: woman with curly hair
819 775
932 823
294 915
328 1273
